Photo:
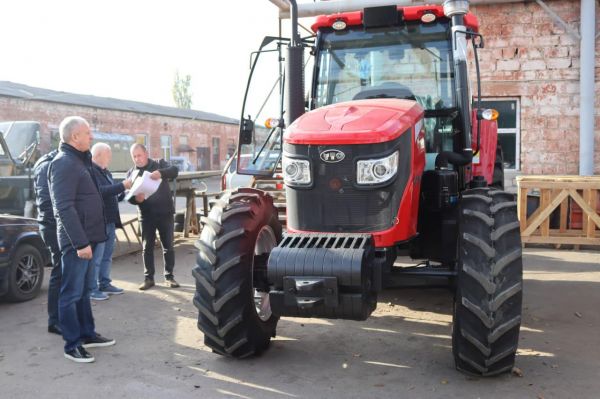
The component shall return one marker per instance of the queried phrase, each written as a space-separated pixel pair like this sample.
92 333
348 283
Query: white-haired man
101 287
80 223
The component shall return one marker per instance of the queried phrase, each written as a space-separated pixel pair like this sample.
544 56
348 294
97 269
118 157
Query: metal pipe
586 88
294 72
335 6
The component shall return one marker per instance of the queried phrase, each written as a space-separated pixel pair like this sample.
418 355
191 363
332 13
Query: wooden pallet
559 192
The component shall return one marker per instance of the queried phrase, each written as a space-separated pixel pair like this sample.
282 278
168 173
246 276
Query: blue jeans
102 259
48 234
74 307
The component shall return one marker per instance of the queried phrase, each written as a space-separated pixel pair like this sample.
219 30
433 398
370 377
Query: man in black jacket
101 286
155 213
48 233
80 223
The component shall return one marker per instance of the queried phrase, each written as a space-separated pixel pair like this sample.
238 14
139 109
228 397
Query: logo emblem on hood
332 156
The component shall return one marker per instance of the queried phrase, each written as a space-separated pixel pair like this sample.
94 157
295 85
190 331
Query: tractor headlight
296 172
377 171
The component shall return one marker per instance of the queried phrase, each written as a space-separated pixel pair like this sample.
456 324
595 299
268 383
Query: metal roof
10 89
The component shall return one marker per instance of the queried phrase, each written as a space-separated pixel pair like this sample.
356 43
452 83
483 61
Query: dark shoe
112 290
98 295
171 283
146 284
79 355
98 341
55 329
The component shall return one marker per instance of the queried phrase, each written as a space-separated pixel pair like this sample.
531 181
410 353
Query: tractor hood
355 122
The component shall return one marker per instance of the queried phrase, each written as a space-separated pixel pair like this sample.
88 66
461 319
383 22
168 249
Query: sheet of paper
144 185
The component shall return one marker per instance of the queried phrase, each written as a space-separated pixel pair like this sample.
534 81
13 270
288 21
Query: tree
181 91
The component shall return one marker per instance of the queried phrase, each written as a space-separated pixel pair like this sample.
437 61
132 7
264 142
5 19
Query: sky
131 49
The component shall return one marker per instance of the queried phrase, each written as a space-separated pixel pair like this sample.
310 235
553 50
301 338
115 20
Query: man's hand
140 198
85 253
127 184
155 175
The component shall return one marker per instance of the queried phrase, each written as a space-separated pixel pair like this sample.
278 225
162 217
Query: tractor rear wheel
487 304
231 284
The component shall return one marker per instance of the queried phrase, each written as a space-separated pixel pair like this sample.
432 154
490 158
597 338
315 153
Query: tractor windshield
412 61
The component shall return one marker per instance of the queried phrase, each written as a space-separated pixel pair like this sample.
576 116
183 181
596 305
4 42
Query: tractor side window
260 131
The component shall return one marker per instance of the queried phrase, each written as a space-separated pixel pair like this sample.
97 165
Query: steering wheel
386 90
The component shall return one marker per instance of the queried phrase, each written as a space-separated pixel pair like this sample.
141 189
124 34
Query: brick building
206 140
530 70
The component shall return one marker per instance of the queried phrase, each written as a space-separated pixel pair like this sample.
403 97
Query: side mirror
246 131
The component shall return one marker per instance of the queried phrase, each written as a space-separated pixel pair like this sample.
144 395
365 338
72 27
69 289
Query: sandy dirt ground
402 351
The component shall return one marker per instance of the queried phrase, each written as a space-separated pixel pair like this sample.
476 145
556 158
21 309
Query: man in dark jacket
80 223
155 213
48 233
101 285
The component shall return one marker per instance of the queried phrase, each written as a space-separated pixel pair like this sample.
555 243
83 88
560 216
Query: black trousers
164 224
48 234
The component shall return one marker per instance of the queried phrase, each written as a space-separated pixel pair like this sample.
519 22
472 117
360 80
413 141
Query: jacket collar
148 165
96 166
67 148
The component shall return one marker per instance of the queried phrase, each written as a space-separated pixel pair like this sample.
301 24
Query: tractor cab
385 52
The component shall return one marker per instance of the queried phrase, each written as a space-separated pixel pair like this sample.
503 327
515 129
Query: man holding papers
155 210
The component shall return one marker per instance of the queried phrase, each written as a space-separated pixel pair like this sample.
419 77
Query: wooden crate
556 192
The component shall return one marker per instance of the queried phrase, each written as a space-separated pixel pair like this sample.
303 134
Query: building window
216 152
183 140
165 147
142 138
230 148
509 128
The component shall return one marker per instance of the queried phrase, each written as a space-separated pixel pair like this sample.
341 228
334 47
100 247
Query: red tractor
387 155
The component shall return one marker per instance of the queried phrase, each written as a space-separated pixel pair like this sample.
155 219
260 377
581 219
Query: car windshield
413 61
19 136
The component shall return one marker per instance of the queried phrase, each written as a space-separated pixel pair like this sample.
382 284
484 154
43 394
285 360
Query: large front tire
487 307
231 288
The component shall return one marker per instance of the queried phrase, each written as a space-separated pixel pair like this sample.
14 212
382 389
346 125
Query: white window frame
516 129
166 152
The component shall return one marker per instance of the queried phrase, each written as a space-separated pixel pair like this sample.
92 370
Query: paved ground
403 350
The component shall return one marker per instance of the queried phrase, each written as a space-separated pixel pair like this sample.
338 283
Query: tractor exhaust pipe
456 10
294 71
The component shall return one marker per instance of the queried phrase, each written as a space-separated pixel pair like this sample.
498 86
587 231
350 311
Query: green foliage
181 91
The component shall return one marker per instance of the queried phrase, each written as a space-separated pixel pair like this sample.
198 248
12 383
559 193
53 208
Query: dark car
23 256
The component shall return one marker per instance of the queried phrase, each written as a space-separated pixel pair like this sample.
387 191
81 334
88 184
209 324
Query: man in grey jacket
80 225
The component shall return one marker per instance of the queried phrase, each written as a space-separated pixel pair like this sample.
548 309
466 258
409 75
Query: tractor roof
411 13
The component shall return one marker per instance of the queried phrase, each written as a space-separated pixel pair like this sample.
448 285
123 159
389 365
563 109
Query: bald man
101 286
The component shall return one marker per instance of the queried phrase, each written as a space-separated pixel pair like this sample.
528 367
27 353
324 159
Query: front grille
334 203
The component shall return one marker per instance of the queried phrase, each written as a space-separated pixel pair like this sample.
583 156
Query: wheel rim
27 274
265 242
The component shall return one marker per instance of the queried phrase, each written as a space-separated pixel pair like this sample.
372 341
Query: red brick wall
529 56
50 115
